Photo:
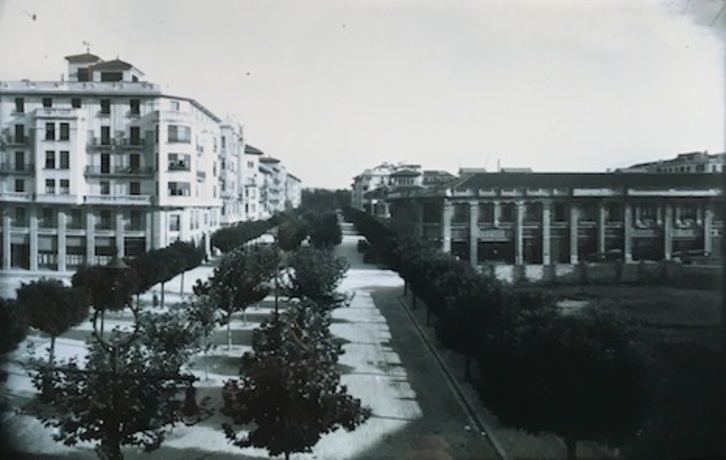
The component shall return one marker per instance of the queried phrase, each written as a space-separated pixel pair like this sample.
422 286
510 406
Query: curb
482 426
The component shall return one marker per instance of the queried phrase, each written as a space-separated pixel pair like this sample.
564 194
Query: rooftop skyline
334 87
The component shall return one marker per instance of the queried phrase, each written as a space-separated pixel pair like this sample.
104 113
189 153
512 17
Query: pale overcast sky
332 87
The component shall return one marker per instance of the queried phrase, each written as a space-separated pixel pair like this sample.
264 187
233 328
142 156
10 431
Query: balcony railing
14 140
144 200
96 170
16 197
15 168
179 166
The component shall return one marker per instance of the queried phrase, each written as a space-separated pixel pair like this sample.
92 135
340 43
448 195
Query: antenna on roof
88 46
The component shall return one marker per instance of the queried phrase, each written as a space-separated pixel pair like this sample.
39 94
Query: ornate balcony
16 197
96 170
12 168
132 200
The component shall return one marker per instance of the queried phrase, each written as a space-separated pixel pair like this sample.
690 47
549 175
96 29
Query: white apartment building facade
107 164
293 191
694 162
252 182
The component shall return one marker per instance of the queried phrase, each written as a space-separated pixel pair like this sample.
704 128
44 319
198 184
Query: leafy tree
316 274
127 390
189 257
322 200
325 230
204 316
229 238
13 329
291 232
13 325
240 280
290 386
52 307
581 376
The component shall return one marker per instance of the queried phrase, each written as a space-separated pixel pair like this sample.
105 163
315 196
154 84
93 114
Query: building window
135 135
65 187
49 159
75 219
250 164
135 222
19 105
104 219
180 133
20 134
47 102
112 76
105 187
560 212
48 218
135 107
50 131
50 186
647 212
179 162
19 185
64 159
134 188
65 131
76 103
105 106
105 135
615 212
21 218
174 106
179 189
174 222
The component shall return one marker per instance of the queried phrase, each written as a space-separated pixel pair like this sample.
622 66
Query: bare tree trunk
571 444
229 331
206 363
162 293
181 286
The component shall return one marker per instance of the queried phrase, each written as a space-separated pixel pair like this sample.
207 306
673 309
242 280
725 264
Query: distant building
370 188
526 218
293 191
694 162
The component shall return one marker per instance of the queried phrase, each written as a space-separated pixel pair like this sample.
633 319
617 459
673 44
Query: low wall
672 273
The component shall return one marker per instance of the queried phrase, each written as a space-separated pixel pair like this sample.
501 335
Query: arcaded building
525 218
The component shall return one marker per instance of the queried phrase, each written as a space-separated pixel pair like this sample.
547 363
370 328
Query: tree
290 387
240 280
581 376
189 257
325 230
13 329
122 395
108 289
52 307
291 232
204 316
316 274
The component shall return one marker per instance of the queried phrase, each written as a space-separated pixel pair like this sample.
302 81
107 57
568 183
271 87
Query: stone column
573 233
447 213
474 233
668 231
628 233
707 225
497 213
7 241
33 238
546 259
601 222
149 225
120 233
90 237
62 240
518 235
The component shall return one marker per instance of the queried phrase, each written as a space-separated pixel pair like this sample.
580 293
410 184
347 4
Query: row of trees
582 376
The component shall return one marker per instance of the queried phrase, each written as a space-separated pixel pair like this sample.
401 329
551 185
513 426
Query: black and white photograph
362 229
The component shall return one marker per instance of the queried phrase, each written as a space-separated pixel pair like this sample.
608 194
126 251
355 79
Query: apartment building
370 188
105 163
694 162
293 191
252 182
273 192
231 190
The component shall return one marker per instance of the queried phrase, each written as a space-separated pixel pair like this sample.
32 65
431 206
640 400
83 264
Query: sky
332 87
